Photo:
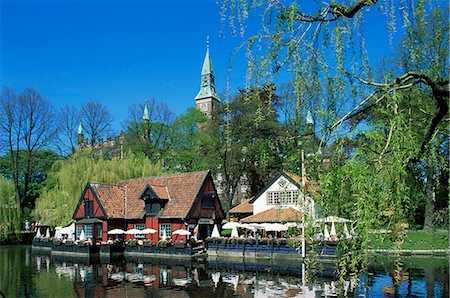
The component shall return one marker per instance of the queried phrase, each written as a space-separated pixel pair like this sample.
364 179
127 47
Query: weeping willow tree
10 219
68 178
384 127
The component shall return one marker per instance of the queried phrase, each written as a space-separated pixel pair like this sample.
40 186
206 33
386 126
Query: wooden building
168 202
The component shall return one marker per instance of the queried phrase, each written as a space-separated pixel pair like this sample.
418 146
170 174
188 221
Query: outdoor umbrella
181 232
215 232
234 232
133 232
116 232
326 234
38 234
333 230
347 234
47 234
231 225
149 231
82 236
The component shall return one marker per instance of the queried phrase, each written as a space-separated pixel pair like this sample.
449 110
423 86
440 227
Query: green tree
245 137
10 218
190 139
27 127
68 178
151 136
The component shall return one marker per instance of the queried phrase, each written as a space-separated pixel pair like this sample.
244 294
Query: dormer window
208 201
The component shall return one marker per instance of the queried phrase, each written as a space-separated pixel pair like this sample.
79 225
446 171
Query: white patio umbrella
116 232
275 227
333 230
181 232
38 234
58 234
234 232
133 232
248 227
231 225
69 230
347 234
149 231
333 219
47 233
326 234
82 236
164 235
215 232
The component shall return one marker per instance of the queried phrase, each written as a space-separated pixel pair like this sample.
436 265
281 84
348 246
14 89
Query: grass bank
415 240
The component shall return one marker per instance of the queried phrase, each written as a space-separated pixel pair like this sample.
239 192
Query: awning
89 221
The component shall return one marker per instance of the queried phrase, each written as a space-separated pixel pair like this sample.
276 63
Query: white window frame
168 228
88 229
283 197
139 227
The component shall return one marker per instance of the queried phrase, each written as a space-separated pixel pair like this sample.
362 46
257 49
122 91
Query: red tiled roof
275 215
245 207
121 200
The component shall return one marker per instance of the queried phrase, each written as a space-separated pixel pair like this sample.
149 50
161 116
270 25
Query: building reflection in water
216 278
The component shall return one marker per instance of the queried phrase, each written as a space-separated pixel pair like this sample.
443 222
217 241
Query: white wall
260 204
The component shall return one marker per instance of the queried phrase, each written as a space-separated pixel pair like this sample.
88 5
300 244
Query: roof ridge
163 176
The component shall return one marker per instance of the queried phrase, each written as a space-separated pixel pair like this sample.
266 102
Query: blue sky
119 52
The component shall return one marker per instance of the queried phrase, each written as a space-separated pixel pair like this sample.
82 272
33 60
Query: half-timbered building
163 203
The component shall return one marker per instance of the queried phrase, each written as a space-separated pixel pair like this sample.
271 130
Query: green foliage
10 218
69 177
244 141
189 141
36 174
226 232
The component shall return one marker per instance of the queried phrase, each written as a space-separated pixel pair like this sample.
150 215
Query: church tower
207 99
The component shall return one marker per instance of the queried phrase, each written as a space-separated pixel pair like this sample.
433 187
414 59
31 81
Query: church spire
145 116
80 129
207 87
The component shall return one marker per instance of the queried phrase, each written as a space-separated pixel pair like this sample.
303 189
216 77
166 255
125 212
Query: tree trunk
430 199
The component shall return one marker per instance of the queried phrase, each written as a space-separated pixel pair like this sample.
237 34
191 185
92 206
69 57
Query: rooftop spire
207 87
80 129
309 118
145 116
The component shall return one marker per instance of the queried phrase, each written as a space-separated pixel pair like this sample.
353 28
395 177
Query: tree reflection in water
24 273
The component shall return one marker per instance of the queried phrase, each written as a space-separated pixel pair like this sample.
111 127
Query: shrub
226 232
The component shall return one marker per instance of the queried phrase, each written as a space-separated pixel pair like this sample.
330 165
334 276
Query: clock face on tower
203 107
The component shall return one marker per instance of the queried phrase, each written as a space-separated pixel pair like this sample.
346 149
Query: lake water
28 273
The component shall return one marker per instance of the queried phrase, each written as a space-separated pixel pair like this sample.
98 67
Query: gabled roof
122 200
275 178
275 215
244 207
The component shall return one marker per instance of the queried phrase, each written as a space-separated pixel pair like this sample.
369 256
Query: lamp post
303 203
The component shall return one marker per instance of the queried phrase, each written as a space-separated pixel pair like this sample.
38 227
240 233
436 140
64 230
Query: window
99 231
167 228
78 230
288 197
88 208
88 231
139 227
208 201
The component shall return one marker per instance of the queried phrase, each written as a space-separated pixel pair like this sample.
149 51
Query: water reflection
25 273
